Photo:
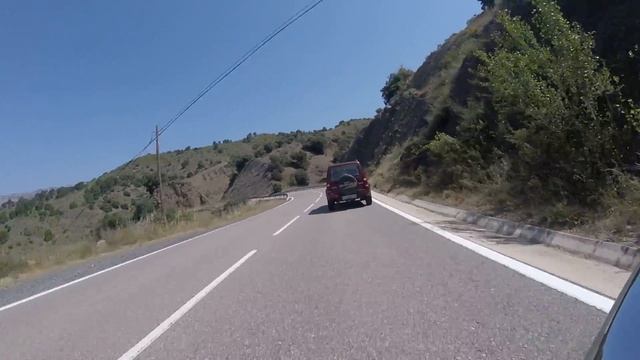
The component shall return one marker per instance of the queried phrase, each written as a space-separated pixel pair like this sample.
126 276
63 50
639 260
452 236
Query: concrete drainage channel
618 255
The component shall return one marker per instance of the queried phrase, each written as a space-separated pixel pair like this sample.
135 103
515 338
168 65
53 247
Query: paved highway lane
358 283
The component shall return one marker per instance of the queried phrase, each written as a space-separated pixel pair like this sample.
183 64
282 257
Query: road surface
298 282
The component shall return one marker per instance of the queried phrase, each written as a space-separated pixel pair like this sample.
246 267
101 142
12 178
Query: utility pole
159 173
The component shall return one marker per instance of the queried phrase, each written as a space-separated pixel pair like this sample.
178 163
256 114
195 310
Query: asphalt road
360 283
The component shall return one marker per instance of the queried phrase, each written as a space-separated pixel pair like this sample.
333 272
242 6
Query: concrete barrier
619 255
281 196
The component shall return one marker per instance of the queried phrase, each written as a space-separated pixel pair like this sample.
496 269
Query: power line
229 70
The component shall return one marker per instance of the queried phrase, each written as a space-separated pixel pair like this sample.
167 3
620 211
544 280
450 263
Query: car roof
355 162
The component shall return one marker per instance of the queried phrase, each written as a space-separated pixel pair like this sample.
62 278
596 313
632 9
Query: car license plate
349 197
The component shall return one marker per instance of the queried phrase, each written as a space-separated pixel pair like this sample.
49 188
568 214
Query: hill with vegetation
530 112
66 223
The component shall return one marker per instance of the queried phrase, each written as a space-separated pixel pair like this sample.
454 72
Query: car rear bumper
360 195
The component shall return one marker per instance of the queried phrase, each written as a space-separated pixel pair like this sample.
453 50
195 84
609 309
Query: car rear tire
331 206
368 200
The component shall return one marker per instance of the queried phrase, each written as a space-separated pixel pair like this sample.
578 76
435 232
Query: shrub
3 217
298 160
48 235
259 153
171 214
268 148
556 116
277 187
4 236
184 164
143 208
126 193
200 165
115 204
276 175
106 206
150 183
396 84
113 221
73 205
241 162
456 161
63 191
315 145
301 177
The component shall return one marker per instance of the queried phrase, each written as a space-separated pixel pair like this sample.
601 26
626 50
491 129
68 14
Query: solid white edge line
588 297
284 227
138 348
60 287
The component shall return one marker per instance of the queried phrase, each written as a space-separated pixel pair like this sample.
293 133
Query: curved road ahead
298 282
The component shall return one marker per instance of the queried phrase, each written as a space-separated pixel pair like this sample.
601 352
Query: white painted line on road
589 297
309 207
60 287
165 325
284 227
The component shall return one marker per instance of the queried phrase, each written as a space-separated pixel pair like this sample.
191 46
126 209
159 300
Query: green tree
301 177
315 145
396 84
4 236
48 235
299 160
486 4
241 162
113 221
143 208
106 206
555 117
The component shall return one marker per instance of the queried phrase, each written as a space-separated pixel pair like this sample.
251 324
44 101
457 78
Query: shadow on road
324 209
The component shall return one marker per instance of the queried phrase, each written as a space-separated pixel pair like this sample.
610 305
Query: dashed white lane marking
284 227
589 297
60 287
165 325
309 207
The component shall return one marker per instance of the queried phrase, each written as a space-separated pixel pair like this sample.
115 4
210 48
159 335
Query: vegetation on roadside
116 236
518 115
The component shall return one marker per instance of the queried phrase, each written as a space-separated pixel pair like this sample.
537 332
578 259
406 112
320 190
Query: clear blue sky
82 83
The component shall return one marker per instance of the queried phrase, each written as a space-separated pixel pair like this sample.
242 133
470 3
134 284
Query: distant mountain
16 196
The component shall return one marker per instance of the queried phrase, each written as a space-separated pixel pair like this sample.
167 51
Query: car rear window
337 172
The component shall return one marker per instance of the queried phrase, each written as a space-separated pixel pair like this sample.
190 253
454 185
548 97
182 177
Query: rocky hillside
206 178
530 112
431 98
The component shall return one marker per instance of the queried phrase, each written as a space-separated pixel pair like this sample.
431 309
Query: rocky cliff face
253 181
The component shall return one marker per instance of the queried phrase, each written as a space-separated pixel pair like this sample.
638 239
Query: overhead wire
228 71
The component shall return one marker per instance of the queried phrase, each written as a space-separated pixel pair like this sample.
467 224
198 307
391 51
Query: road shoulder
602 278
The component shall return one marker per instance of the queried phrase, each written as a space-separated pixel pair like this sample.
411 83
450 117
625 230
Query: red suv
347 182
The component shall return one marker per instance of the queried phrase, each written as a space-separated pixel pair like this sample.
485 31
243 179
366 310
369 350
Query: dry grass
45 258
617 219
